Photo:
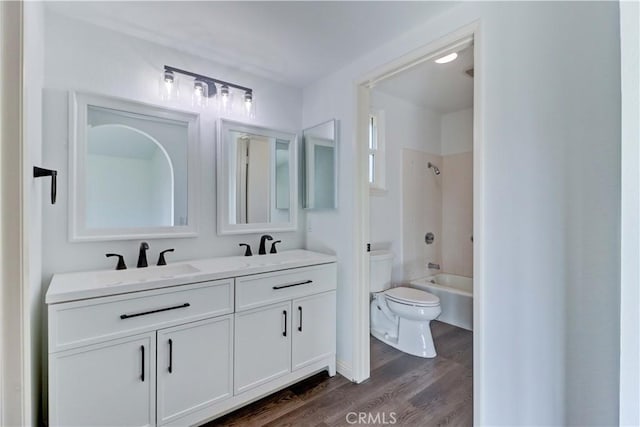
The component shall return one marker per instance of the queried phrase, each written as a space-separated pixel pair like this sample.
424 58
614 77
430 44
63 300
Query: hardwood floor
409 390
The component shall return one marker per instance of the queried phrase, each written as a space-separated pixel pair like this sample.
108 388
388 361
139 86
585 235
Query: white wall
630 291
85 57
457 132
591 160
406 126
547 350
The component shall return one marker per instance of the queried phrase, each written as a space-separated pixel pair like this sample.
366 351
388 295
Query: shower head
436 171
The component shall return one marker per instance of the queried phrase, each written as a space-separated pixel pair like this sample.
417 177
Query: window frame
377 150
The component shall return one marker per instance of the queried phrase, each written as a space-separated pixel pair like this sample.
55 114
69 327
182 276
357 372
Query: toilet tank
380 270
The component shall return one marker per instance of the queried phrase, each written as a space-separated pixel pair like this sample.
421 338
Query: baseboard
344 369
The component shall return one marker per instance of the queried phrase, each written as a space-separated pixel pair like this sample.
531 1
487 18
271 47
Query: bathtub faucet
433 266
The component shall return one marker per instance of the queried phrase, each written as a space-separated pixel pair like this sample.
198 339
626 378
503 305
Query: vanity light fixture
205 88
447 58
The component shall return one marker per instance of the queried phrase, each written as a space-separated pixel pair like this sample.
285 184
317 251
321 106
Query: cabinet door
195 364
262 345
314 329
108 384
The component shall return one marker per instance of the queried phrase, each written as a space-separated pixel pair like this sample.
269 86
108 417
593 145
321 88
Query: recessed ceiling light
447 58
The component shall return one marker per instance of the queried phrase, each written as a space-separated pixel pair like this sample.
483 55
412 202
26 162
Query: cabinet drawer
89 321
262 289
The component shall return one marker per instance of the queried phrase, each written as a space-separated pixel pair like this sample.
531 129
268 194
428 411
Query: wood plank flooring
419 392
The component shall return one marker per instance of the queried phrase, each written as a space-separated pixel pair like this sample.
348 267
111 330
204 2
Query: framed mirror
257 179
321 166
133 170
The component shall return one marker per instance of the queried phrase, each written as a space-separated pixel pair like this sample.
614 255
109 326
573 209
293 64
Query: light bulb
447 58
168 86
249 105
225 99
200 97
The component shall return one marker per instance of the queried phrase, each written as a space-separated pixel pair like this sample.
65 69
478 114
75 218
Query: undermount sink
144 274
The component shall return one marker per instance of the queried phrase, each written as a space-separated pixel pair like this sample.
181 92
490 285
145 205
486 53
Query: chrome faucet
142 255
263 249
433 266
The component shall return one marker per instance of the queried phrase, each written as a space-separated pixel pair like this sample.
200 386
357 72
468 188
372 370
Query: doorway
368 172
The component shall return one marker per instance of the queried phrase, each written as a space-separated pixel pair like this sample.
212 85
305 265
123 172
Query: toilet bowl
401 316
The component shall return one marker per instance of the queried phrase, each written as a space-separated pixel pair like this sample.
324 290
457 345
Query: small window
376 151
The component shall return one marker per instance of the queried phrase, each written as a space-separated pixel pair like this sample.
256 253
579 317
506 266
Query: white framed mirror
133 170
321 166
257 179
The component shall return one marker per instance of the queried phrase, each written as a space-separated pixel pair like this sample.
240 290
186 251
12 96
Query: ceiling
443 88
293 42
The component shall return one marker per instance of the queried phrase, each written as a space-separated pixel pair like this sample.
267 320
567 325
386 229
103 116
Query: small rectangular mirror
132 170
257 179
321 160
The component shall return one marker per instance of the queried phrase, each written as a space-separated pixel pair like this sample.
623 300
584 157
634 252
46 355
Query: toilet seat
411 296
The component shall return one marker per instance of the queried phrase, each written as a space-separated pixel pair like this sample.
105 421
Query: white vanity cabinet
195 366
189 350
109 384
314 332
276 339
99 377
263 345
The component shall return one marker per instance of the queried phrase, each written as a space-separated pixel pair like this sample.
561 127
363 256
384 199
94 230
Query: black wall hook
40 172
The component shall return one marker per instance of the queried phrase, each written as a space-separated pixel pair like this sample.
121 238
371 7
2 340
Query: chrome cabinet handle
306 282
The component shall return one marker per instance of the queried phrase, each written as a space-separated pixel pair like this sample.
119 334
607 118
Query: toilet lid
412 296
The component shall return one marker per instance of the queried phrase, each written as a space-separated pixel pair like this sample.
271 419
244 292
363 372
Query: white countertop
92 284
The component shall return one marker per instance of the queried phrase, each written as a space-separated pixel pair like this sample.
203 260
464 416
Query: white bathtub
456 297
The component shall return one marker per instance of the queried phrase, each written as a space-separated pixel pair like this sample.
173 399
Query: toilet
400 316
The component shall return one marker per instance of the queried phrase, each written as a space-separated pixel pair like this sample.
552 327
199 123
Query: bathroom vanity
185 343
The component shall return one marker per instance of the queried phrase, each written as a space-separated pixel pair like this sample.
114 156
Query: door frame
15 333
630 217
361 353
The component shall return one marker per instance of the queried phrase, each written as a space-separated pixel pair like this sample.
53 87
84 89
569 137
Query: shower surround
442 204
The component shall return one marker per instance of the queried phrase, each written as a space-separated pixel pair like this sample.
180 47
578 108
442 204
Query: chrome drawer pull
306 282
144 313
